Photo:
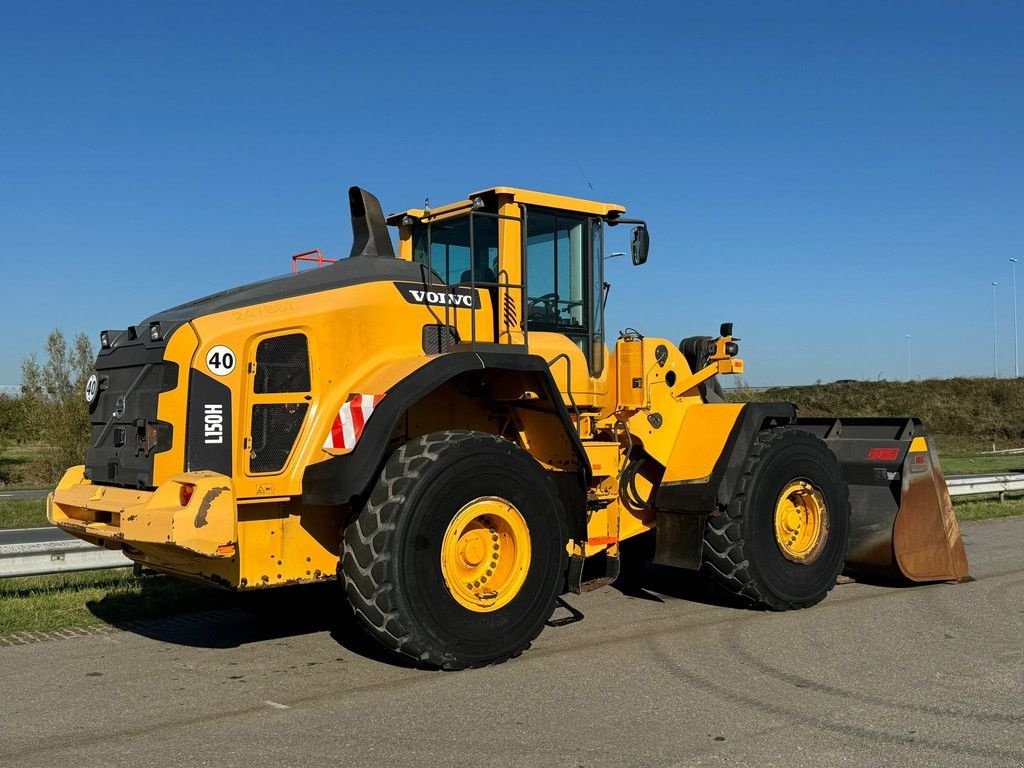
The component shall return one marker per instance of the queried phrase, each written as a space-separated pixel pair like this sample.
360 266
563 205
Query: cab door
565 312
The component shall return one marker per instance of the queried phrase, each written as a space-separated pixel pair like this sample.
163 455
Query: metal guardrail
40 551
39 493
975 485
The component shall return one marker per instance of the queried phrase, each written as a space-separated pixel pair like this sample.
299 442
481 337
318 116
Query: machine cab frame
540 256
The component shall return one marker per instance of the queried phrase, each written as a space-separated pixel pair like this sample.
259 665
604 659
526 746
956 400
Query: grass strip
92 598
988 507
23 513
981 465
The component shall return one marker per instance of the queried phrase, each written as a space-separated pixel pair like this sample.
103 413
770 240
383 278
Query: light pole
1016 350
995 333
908 357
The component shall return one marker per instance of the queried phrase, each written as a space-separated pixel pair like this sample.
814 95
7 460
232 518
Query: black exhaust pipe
369 230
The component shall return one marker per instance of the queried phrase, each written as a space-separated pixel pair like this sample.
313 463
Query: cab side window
557 295
565 279
447 247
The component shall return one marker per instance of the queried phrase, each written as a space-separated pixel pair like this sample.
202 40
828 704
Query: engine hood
342 274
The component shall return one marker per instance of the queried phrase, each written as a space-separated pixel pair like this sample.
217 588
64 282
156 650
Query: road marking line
275 705
22 530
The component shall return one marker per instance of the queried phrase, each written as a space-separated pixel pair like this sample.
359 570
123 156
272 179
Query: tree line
51 416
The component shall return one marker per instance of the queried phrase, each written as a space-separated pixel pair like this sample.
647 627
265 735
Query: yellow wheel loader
446 433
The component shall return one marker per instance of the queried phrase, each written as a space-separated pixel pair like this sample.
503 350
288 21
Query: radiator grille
274 429
125 434
282 365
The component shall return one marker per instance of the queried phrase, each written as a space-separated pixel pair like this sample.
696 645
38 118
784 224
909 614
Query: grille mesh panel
438 338
274 429
282 365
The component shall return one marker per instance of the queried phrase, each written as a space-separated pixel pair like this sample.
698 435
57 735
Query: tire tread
724 561
367 550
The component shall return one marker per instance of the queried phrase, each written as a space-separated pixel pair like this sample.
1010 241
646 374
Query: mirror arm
616 222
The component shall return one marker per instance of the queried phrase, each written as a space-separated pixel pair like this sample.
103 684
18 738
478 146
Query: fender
341 478
702 497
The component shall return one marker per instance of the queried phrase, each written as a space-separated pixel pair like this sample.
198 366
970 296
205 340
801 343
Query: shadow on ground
171 611
218 619
661 582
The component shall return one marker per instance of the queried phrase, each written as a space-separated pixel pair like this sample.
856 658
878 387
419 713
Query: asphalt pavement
875 675
32 535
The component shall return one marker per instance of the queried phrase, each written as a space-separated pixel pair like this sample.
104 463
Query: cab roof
525 196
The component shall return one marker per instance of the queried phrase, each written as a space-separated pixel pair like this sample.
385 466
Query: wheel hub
485 554
801 522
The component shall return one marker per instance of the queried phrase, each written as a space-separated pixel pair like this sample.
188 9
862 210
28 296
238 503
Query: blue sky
828 176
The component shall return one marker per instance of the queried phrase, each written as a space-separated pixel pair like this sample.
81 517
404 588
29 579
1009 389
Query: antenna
582 172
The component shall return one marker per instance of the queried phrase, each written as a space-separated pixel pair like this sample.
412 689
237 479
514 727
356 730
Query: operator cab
541 256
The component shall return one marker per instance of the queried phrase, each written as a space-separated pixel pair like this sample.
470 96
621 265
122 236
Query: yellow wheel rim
485 554
801 522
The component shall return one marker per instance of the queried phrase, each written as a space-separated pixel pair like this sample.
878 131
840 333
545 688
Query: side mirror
641 241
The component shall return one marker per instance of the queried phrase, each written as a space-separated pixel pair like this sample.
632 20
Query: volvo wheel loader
446 432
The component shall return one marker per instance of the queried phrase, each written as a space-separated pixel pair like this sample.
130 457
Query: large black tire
391 558
741 554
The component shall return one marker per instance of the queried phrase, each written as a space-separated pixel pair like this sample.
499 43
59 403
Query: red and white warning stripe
348 424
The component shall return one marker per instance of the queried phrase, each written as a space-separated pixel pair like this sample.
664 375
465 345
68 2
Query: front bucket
926 538
902 523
